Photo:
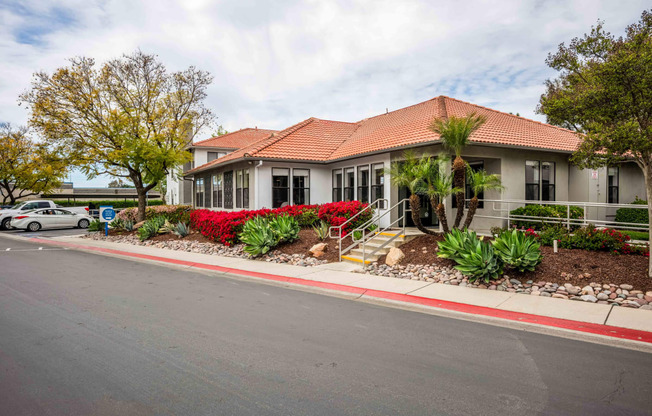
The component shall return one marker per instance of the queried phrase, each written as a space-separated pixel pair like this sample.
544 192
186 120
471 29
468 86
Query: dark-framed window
245 188
349 184
337 185
199 192
211 156
280 187
540 180
363 183
378 182
228 190
475 166
217 190
301 186
613 180
238 188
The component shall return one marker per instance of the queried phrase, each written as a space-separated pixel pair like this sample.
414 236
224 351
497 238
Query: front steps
355 256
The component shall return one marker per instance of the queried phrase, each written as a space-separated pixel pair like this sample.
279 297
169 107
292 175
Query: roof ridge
280 135
357 126
512 115
398 109
233 132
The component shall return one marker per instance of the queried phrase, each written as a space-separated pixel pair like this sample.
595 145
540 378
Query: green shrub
151 228
517 250
285 227
548 211
321 231
636 235
633 215
95 225
455 243
181 230
173 213
555 232
479 262
590 238
118 203
257 236
117 224
128 225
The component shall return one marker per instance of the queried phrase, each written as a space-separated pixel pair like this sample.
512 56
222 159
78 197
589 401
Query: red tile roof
236 139
324 140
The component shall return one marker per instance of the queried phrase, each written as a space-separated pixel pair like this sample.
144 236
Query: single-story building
318 161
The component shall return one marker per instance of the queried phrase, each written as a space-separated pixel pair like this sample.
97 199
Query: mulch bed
307 239
602 267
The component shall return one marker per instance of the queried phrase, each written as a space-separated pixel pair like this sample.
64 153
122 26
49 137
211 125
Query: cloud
278 62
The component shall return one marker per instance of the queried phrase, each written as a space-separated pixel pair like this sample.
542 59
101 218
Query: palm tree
454 133
410 174
480 181
438 186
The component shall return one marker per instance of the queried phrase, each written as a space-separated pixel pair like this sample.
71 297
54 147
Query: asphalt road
86 334
59 232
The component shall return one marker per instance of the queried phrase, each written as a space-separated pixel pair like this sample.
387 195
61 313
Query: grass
636 235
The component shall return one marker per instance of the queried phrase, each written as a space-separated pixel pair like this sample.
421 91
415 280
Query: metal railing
377 231
339 228
508 205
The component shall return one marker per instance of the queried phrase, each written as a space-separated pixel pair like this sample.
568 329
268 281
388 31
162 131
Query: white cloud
278 62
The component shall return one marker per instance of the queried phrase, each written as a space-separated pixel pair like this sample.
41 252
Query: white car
7 213
49 218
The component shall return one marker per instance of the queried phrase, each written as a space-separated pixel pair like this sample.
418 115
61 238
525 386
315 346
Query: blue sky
278 62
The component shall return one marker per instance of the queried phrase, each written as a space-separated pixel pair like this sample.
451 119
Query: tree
604 92
26 167
128 118
454 133
119 183
409 173
437 185
480 181
162 189
220 131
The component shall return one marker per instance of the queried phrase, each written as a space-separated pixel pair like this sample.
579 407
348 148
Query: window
245 188
349 184
238 188
199 192
300 186
613 174
468 189
280 187
363 183
215 155
217 191
378 183
539 180
228 190
337 185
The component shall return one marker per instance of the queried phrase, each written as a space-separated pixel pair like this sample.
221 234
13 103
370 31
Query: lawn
636 235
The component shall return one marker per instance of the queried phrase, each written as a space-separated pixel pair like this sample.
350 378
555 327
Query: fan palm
480 181
409 174
437 185
454 133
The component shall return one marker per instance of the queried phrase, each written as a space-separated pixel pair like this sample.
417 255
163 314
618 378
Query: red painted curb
605 330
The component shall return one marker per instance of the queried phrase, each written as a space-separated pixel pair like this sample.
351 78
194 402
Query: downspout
256 194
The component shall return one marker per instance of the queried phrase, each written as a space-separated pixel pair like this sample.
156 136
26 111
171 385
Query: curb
567 324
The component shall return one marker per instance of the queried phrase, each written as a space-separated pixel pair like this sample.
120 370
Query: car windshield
17 206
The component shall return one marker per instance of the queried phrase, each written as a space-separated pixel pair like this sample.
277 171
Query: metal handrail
340 227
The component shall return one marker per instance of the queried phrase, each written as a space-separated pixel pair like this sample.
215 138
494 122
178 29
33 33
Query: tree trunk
142 203
440 210
415 207
473 207
459 181
647 173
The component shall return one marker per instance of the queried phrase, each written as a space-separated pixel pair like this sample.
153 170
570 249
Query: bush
480 262
95 225
633 215
173 213
455 243
181 230
554 232
517 250
151 227
257 236
114 203
549 211
285 227
337 213
606 239
306 215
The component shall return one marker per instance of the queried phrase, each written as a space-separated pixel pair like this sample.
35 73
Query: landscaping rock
318 249
626 287
602 296
588 290
559 296
394 256
589 298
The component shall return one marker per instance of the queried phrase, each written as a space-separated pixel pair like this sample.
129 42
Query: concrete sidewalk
341 274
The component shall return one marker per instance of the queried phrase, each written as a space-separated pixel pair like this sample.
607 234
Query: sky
276 63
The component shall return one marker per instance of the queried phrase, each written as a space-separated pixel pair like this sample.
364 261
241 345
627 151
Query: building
317 161
179 191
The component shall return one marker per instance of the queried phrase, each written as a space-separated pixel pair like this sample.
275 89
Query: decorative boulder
318 249
394 256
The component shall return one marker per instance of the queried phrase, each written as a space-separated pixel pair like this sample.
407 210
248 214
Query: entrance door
426 214
228 190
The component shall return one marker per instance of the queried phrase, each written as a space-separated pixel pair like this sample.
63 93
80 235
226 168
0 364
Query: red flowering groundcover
224 226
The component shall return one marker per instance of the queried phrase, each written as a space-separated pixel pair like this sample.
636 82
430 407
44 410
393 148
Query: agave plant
286 228
457 242
128 225
480 263
257 236
321 231
517 250
181 229
151 228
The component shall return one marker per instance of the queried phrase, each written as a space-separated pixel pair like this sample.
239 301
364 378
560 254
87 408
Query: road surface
86 334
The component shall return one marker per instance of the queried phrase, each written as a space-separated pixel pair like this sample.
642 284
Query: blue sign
107 213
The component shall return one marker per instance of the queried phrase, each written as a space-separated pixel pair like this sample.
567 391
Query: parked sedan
49 218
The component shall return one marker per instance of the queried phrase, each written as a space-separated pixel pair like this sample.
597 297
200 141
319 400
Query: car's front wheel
34 226
5 224
83 224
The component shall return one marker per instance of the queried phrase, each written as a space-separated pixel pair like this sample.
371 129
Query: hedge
633 215
173 213
114 203
550 211
224 226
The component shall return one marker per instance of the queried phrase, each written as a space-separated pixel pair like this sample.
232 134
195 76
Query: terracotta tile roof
236 139
324 140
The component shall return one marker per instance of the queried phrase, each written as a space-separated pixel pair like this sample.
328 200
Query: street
87 334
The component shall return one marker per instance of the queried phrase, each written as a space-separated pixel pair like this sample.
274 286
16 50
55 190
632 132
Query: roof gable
235 140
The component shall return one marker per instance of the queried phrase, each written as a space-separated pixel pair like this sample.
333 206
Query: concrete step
357 259
358 251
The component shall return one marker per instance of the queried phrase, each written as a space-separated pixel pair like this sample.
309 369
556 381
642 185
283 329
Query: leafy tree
409 173
119 183
480 181
26 167
127 118
220 131
604 92
437 184
454 133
